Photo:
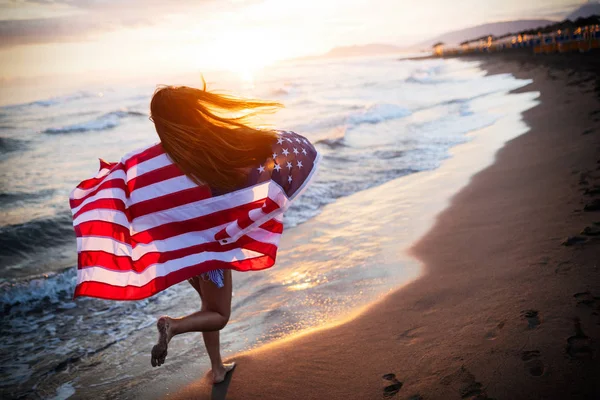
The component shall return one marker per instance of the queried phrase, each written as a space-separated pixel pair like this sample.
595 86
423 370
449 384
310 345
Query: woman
207 199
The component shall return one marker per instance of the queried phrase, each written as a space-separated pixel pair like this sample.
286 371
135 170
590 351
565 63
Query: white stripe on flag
113 246
112 193
103 214
161 188
105 244
135 171
132 278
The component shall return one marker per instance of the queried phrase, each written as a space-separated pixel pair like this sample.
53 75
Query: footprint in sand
410 336
579 345
563 267
588 300
392 389
587 131
532 317
572 240
464 381
533 364
591 231
592 191
494 332
584 298
593 205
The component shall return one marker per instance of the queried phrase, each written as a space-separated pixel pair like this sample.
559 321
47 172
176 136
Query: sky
74 38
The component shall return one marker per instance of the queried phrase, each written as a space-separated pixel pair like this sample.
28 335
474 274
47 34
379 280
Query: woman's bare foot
220 372
159 351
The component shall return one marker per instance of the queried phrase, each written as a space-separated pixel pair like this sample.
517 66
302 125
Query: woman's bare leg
212 339
213 316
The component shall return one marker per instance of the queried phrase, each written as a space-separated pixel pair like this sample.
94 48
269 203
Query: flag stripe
263 242
146 154
154 176
90 184
111 292
170 200
133 278
107 204
117 182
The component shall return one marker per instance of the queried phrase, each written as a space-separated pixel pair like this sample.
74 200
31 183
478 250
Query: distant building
438 49
580 35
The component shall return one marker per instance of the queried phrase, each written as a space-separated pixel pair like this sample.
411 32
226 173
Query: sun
242 52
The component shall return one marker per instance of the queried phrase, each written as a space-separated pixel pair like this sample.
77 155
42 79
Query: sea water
375 120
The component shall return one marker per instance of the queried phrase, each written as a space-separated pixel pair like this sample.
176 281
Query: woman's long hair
208 145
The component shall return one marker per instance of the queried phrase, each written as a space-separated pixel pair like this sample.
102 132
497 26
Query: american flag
142 225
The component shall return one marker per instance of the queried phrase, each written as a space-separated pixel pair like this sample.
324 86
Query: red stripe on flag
106 291
270 206
169 201
106 164
106 204
105 229
90 183
117 183
125 263
273 225
145 155
154 176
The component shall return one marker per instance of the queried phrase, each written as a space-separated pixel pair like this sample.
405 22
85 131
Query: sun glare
242 53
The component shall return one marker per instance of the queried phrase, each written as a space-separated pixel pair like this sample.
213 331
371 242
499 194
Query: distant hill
367 49
585 10
495 28
358 50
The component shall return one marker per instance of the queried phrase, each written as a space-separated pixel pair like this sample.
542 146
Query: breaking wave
51 287
52 101
8 145
20 240
377 113
107 121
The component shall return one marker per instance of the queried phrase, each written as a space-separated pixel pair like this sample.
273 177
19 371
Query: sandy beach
508 304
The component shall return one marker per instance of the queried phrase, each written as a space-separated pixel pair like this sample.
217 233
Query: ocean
375 120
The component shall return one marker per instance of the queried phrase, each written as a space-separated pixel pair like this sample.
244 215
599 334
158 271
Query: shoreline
459 323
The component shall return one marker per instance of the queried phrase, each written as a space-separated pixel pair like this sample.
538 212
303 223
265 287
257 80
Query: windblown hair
202 137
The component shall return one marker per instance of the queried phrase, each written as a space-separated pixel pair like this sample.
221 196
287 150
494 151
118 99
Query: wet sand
508 305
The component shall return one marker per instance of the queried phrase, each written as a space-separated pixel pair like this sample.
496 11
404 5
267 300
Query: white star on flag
296 151
274 156
304 151
299 164
261 169
285 152
289 140
277 167
290 179
280 141
289 165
